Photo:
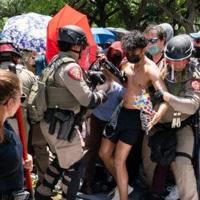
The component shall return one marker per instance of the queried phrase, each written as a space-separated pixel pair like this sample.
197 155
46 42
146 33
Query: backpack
37 99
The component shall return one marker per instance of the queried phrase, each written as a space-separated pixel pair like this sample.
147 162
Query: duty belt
167 125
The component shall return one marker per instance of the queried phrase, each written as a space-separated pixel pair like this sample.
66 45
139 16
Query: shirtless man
141 72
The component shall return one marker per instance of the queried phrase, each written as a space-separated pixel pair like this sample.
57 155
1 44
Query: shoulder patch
75 73
195 84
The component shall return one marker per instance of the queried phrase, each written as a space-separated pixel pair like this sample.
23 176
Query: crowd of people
134 113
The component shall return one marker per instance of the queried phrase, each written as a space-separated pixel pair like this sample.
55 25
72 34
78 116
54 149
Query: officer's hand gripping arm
187 105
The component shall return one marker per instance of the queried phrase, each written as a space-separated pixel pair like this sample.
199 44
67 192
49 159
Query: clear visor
175 68
170 74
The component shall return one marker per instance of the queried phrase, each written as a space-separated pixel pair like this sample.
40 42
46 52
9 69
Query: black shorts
128 126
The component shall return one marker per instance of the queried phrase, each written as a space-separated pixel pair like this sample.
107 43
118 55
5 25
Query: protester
99 117
10 54
29 60
140 72
66 93
156 42
172 142
11 165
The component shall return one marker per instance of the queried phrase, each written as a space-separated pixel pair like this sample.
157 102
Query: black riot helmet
178 48
72 35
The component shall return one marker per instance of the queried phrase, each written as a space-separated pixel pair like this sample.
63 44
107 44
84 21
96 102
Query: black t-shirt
11 168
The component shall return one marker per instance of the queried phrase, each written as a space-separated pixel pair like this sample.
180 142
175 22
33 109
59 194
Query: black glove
158 97
96 77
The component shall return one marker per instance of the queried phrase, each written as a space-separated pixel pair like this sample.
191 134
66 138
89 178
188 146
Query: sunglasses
22 99
152 40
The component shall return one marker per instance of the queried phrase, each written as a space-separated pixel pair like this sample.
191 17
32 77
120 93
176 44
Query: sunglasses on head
152 40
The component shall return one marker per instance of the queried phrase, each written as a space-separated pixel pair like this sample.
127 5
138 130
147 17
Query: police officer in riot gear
181 76
9 53
68 92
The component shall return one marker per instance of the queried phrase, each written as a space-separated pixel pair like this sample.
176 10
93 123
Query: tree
183 12
99 12
131 14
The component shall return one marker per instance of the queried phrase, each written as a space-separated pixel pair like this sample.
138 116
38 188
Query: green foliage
46 7
120 13
2 22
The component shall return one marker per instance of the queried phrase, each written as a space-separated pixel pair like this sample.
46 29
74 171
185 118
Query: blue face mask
154 50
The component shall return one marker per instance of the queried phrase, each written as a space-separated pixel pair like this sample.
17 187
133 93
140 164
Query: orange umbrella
66 16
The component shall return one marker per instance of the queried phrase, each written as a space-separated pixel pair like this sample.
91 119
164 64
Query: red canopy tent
66 16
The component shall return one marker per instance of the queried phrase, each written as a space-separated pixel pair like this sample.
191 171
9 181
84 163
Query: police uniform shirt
71 77
185 92
26 77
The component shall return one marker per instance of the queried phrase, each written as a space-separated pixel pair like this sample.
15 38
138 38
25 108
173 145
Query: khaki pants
40 149
67 152
182 166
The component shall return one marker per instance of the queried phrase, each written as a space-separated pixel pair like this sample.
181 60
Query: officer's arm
188 104
75 83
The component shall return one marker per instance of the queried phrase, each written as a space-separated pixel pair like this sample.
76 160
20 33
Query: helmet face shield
170 74
175 68
177 62
83 43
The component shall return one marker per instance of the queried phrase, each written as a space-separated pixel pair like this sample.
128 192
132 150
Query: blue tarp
102 35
